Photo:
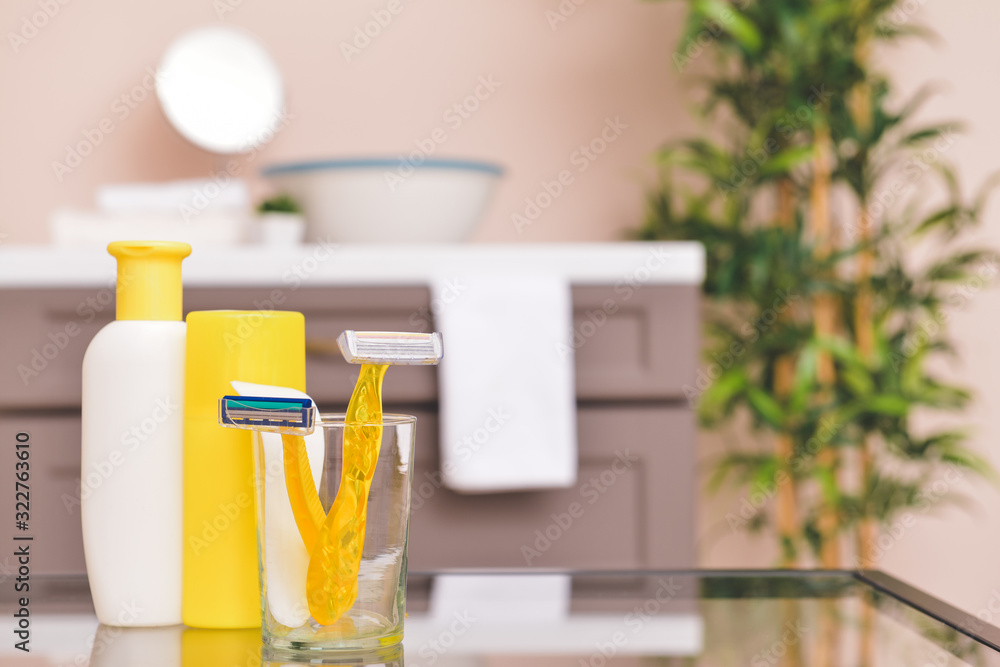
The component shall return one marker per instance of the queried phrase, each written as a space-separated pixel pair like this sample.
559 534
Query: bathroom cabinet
634 502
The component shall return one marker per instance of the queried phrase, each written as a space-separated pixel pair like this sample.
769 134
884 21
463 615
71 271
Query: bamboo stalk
867 530
784 376
784 450
864 329
865 333
860 101
825 320
787 497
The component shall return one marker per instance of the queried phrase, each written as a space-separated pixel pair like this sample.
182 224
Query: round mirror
220 89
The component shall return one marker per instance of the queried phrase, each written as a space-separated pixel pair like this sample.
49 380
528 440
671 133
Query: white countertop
344 264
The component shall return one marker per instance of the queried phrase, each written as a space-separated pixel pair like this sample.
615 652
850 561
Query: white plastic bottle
132 458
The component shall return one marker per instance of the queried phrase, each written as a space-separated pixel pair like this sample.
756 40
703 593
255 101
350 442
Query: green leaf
985 192
765 406
786 160
858 381
764 476
805 377
828 485
720 393
891 31
891 406
732 21
926 134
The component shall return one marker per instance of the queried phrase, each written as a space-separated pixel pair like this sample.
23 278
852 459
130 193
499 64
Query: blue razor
295 416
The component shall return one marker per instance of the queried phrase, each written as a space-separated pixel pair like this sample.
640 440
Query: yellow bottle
220 581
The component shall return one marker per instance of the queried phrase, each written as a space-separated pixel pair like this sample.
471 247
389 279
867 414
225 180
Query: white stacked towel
204 212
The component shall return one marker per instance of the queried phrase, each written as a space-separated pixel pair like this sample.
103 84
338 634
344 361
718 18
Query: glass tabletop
566 619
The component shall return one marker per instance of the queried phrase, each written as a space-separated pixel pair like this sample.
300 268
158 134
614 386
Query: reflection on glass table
571 619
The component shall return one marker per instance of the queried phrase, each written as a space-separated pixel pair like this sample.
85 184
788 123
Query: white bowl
378 201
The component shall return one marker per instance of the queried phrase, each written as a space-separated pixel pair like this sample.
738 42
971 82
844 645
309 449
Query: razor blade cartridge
391 348
296 416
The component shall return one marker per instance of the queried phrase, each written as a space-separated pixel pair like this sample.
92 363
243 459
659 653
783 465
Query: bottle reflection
220 648
129 647
179 646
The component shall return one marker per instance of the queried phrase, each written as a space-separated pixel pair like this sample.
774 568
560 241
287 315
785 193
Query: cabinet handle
323 347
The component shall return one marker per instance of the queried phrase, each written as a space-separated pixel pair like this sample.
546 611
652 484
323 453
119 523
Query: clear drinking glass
376 618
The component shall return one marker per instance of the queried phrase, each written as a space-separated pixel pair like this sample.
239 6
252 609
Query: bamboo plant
812 207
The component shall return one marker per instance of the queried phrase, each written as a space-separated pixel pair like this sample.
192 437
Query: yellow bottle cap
149 279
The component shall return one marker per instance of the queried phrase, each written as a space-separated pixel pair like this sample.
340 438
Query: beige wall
557 87
954 553
608 59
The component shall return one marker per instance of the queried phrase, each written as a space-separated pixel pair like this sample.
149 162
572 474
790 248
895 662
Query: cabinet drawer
638 515
632 506
54 504
638 344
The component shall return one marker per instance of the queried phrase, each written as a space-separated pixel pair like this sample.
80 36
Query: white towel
287 561
508 400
